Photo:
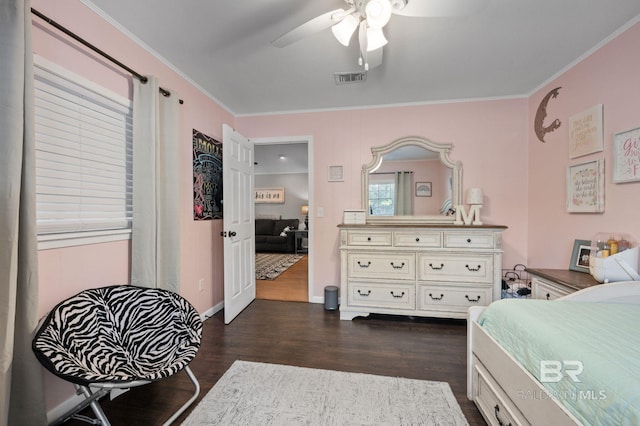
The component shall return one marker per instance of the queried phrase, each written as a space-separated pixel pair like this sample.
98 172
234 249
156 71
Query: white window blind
83 136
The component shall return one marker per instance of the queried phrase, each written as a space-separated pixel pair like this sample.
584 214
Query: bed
528 364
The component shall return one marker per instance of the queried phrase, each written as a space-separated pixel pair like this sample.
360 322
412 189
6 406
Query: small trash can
331 298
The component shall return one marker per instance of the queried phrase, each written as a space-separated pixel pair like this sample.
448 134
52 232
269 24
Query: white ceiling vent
350 77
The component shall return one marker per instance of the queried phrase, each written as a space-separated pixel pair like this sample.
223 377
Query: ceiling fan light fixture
375 39
344 29
378 13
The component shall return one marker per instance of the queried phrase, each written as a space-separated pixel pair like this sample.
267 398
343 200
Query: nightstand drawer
382 295
541 289
430 296
457 268
396 266
369 238
468 239
417 239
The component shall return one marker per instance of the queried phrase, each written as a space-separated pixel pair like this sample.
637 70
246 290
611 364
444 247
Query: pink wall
610 77
489 138
66 271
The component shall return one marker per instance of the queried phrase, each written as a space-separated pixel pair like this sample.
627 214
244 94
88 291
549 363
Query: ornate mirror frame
443 150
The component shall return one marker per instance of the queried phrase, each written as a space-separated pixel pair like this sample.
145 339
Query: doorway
284 164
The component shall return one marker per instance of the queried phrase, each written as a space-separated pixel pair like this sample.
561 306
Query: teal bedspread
587 355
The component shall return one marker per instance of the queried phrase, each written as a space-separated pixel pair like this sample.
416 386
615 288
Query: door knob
232 234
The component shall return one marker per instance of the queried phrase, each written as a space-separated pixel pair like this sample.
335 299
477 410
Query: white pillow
284 231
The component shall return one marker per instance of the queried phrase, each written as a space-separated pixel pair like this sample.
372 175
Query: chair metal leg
90 400
186 405
95 406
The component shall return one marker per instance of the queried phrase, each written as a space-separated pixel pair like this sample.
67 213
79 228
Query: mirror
411 180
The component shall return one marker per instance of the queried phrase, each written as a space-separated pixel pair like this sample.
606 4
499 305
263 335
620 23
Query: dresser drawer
430 296
468 239
396 266
460 267
417 239
493 402
382 295
541 289
369 238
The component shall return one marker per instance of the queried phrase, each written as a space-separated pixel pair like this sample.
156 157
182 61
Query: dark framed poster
207 177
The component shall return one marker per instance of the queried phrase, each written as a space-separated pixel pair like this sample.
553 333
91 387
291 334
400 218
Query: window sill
52 241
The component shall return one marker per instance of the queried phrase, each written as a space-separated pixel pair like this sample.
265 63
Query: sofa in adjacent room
269 238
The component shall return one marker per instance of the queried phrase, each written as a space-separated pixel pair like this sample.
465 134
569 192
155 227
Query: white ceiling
269 158
509 49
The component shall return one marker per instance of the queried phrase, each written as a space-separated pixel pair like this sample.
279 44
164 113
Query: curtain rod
102 53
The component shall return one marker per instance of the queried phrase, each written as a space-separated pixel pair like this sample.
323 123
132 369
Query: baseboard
55 413
211 311
319 299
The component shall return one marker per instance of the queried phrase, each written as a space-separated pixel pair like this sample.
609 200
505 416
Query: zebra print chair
118 337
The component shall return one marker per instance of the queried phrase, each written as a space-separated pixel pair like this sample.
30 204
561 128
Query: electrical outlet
201 284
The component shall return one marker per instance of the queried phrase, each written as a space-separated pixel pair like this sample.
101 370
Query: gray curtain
155 234
404 193
21 387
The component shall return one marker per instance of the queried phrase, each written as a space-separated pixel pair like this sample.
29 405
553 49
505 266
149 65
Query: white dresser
419 270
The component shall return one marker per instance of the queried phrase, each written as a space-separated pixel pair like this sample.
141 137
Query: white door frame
309 141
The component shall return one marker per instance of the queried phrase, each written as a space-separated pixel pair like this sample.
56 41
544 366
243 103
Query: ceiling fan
370 17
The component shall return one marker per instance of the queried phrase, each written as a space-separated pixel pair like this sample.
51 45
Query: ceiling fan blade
441 8
311 27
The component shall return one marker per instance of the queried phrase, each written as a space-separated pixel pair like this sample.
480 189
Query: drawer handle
397 296
469 240
364 266
397 266
548 296
436 268
472 300
496 411
471 269
417 239
363 294
435 297
368 238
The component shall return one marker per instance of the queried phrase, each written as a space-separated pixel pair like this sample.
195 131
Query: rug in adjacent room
252 393
270 265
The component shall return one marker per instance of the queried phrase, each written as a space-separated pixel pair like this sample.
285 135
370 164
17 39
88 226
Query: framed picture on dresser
580 256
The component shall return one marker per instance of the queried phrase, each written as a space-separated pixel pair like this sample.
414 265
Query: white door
238 231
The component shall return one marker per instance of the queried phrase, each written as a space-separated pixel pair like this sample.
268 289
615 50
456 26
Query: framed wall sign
269 195
423 189
585 187
585 132
335 174
207 177
626 156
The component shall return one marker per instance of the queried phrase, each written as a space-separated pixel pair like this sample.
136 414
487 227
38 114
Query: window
381 196
83 136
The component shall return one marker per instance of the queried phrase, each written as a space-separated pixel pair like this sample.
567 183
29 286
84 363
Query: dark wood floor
306 335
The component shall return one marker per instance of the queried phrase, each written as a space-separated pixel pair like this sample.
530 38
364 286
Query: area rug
251 393
270 265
